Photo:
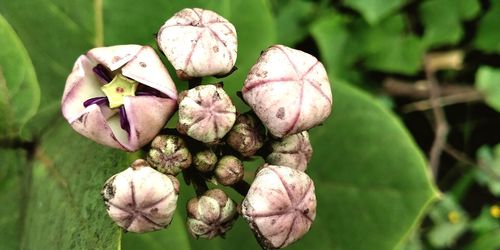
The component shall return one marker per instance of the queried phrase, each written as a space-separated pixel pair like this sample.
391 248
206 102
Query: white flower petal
147 68
81 85
93 125
114 57
146 115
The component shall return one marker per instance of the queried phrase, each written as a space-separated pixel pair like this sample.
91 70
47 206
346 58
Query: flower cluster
122 97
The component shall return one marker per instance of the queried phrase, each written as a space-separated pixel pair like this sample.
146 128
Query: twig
462 157
441 124
419 90
465 97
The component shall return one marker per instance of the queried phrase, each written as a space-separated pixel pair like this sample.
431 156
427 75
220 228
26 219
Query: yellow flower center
118 88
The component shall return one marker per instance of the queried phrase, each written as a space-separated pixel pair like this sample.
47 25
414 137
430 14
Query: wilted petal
147 68
146 115
114 57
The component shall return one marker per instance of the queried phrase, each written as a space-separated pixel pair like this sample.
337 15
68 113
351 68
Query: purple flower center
106 76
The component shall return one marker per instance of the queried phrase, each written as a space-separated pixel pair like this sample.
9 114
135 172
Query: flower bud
205 160
280 206
198 43
288 90
247 135
119 96
293 151
141 199
211 215
206 113
229 170
169 154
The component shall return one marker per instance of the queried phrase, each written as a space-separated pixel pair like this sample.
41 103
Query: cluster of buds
122 96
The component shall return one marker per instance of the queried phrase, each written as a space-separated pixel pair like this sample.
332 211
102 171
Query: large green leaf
372 182
19 91
55 33
11 196
65 209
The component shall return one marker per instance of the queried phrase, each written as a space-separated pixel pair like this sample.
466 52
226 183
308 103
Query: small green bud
211 215
169 154
229 170
205 160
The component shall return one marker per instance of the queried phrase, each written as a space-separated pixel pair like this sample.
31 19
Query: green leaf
450 222
488 83
19 91
55 33
487 32
485 222
334 40
375 10
442 20
489 173
11 196
367 200
384 47
292 21
487 241
65 209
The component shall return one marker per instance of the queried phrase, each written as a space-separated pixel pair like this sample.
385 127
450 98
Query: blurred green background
409 158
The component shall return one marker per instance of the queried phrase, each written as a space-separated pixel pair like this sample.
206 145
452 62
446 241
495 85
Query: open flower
119 96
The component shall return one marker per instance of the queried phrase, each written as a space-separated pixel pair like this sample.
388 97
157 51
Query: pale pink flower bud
199 43
293 151
289 90
141 199
280 206
119 96
210 215
206 113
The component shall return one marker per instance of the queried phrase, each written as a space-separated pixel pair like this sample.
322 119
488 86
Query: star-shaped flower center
118 88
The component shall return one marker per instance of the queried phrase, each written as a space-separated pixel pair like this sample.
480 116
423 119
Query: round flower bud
280 206
169 154
288 90
211 215
199 43
247 135
205 160
229 170
293 151
119 96
141 199
206 113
